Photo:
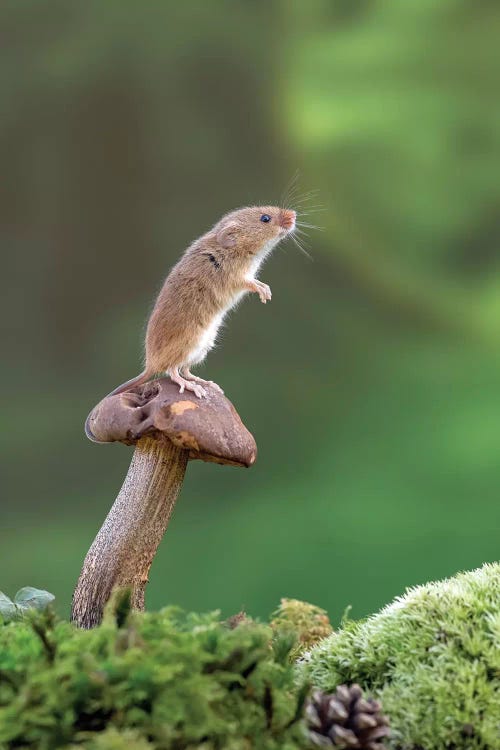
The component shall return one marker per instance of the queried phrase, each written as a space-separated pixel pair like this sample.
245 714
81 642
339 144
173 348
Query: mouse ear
226 237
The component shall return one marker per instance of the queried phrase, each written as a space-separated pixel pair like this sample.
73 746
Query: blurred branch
429 298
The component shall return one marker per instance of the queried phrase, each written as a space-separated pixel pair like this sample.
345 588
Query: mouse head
254 230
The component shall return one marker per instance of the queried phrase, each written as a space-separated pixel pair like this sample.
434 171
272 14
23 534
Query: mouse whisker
298 243
308 194
301 227
303 236
305 211
290 189
294 198
309 226
307 216
306 198
312 209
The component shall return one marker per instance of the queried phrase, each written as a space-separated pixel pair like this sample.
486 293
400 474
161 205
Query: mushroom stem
123 550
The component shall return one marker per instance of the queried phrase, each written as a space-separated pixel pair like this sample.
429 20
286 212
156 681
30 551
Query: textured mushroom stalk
168 428
124 548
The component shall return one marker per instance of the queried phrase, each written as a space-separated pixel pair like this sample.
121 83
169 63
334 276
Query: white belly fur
208 338
206 341
260 257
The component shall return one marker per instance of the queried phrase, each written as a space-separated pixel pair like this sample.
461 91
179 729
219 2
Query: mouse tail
139 380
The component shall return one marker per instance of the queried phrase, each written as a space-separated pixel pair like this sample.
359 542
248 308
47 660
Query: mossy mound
432 658
161 680
171 681
308 624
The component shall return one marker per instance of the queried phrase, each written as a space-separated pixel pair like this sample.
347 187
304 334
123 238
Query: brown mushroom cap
210 428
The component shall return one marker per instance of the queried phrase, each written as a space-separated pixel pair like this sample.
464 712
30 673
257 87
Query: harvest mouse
213 274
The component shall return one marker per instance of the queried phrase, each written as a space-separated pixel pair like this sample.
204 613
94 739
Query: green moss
163 680
433 659
307 623
171 681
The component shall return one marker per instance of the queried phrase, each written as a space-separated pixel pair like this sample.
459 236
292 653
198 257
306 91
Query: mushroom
167 428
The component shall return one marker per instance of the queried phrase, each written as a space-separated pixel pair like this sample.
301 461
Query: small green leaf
8 609
30 598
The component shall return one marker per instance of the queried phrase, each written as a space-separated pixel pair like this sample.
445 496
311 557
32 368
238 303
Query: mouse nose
287 219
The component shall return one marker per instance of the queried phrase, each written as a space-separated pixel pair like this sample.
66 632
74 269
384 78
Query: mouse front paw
263 290
265 293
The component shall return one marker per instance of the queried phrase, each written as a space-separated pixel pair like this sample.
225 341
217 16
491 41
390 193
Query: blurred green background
372 381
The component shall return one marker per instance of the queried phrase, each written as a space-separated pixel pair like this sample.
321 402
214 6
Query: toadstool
167 428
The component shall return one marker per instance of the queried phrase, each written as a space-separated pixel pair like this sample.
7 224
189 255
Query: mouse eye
265 218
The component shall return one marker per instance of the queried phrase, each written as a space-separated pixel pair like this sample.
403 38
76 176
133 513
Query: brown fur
206 282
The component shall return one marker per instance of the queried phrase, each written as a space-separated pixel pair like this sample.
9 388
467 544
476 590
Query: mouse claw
189 377
263 290
187 385
265 294
198 390
215 387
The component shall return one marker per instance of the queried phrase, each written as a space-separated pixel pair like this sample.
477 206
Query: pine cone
345 719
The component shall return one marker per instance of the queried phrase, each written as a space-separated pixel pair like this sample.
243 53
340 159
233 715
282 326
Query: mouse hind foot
188 375
185 384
